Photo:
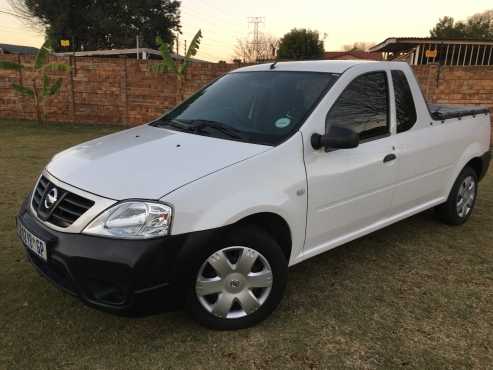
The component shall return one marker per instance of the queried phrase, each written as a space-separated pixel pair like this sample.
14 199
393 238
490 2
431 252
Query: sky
344 22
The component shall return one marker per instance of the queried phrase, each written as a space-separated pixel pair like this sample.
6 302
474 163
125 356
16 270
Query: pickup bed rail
443 112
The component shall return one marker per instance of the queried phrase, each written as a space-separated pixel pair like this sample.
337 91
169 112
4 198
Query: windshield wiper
179 125
201 125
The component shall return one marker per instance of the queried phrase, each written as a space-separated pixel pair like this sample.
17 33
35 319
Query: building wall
469 85
103 90
126 92
452 85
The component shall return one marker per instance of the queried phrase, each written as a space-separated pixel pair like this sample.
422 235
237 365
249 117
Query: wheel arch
473 157
275 225
272 223
478 165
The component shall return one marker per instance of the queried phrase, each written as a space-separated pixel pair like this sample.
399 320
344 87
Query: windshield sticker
283 122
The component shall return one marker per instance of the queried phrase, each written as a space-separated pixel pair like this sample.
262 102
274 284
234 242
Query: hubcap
465 197
234 282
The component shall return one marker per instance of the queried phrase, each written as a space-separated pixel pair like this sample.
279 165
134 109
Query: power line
18 28
3 28
211 18
218 43
207 38
224 17
13 14
209 23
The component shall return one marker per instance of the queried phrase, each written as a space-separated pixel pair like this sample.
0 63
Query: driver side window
363 107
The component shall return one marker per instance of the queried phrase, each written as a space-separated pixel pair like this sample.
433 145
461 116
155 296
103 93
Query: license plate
32 242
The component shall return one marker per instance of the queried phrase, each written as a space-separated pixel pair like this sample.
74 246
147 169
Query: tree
179 69
301 44
42 87
102 24
250 52
358 46
479 26
447 28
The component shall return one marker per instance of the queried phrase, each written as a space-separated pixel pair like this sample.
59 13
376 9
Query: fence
126 92
104 90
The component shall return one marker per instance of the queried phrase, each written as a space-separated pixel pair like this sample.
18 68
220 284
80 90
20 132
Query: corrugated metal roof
17 49
117 52
402 43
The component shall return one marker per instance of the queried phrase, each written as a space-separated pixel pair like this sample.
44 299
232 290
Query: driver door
350 190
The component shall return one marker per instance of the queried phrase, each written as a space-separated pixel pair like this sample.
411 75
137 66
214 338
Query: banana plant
179 69
42 86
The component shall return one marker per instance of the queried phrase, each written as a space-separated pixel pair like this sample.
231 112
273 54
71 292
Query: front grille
56 205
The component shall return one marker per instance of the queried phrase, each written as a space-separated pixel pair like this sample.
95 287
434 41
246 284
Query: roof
397 44
330 66
17 49
117 52
353 54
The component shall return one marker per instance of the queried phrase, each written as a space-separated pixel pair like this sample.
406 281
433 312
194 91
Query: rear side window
404 102
363 107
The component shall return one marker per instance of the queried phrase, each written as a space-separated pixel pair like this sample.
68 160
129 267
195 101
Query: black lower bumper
113 274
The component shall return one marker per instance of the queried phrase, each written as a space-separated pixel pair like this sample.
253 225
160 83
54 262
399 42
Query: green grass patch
416 295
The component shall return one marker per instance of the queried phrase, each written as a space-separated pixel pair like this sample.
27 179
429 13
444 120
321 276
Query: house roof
399 44
17 49
117 52
354 54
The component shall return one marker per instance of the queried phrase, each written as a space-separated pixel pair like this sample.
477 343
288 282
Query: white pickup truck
267 166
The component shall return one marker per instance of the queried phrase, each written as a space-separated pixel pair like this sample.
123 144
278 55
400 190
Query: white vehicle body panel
146 162
272 182
327 199
429 158
348 189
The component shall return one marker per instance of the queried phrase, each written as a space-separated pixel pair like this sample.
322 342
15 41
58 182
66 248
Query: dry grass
416 295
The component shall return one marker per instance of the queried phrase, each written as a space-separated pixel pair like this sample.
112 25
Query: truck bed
443 112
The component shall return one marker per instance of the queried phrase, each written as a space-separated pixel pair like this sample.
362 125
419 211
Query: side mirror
337 138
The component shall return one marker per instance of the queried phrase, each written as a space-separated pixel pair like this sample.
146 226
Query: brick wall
471 85
126 92
103 90
466 85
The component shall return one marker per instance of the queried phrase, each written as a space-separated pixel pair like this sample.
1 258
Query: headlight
132 220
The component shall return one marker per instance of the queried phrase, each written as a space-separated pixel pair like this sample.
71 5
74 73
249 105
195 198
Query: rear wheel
238 280
462 198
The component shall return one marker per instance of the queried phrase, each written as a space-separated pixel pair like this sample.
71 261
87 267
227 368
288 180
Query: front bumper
112 274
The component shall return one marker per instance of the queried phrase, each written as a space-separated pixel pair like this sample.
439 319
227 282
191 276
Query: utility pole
185 48
256 42
138 46
177 44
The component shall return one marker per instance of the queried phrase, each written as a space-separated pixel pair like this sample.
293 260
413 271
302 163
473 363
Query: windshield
260 107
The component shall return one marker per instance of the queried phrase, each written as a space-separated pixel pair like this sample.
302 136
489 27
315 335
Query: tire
230 295
461 200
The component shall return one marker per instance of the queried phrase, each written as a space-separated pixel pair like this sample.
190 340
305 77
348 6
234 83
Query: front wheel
462 198
238 280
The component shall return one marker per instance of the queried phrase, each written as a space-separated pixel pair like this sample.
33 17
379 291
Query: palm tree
42 86
177 68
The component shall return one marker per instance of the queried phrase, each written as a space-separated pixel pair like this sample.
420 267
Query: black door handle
389 158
